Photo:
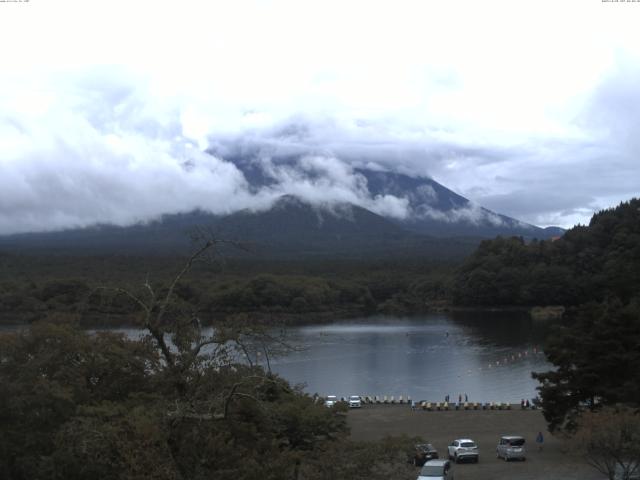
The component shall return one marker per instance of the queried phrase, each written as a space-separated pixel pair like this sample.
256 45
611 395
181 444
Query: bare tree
162 319
190 351
256 343
609 440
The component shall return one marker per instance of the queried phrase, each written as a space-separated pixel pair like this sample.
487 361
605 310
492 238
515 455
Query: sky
107 109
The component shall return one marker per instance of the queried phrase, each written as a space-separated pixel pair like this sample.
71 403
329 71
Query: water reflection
488 357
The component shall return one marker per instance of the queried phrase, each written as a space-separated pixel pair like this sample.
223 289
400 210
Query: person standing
540 441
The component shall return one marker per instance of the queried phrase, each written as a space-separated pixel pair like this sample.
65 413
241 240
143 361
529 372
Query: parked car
463 449
436 470
422 453
355 401
511 447
331 400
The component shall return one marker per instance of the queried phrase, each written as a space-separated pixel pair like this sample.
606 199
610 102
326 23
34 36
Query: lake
487 356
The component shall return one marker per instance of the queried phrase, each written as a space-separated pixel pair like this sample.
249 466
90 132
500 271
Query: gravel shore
485 427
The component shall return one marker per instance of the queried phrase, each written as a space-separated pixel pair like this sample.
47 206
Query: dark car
422 453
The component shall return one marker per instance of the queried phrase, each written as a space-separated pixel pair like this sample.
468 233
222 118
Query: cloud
472 214
328 180
612 113
104 127
564 181
101 151
101 154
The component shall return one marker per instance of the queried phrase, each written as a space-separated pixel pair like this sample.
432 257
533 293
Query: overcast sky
529 108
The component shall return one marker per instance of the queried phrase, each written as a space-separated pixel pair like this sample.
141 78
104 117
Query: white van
331 400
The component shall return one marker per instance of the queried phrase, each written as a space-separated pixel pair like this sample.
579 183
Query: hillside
290 228
589 263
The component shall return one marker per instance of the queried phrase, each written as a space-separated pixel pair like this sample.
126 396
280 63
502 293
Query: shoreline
125 320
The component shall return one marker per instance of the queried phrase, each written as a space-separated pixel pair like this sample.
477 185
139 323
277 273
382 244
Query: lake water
487 356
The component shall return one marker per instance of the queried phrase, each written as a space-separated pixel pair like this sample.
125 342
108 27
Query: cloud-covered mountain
416 203
303 203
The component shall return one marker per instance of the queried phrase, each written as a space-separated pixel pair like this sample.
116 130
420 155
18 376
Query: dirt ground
485 427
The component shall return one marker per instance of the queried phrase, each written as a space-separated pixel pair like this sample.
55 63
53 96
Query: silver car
436 470
511 447
463 449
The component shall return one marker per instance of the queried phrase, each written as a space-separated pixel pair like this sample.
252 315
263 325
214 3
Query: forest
587 263
297 291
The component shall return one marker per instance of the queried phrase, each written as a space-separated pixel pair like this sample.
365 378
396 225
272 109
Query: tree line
267 292
587 263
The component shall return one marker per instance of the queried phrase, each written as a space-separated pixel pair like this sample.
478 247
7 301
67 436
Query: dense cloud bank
100 147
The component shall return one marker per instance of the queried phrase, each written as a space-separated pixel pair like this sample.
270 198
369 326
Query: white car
331 400
436 470
355 401
463 449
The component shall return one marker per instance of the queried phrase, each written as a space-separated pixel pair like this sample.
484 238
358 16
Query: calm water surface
487 356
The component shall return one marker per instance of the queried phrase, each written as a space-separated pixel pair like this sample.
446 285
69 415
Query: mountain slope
441 212
433 209
291 227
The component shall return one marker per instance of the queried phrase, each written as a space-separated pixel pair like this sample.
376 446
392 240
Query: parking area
555 461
